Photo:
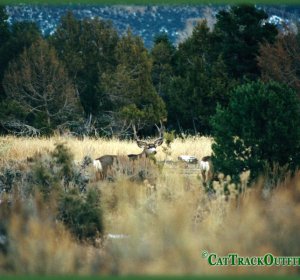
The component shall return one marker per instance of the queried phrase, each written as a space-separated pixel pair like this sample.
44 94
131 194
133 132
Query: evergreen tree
38 83
162 55
201 82
259 128
87 48
21 35
130 89
238 33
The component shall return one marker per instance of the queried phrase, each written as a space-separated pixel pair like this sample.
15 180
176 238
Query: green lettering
253 261
277 261
219 262
233 258
247 261
241 261
268 259
282 261
260 261
289 260
209 259
225 260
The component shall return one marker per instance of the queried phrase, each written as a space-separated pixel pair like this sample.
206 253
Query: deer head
149 147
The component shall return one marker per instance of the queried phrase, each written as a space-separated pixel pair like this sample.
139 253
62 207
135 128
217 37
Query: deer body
206 169
103 164
106 162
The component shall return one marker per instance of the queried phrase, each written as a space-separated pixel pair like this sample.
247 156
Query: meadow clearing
156 226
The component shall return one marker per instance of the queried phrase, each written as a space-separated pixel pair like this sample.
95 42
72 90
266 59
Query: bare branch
20 129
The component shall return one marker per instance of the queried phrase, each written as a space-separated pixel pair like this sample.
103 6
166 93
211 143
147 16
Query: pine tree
237 35
259 127
201 82
20 36
162 55
130 88
87 47
39 84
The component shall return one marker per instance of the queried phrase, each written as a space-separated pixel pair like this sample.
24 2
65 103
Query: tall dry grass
164 223
21 148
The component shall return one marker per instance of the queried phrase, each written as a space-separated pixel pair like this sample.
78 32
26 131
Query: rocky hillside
145 21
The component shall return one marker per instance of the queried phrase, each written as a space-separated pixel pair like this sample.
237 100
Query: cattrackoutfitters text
234 259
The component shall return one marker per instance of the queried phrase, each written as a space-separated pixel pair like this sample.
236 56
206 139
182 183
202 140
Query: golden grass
166 222
21 148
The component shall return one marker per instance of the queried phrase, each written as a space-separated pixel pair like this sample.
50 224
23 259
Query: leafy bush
259 128
62 185
81 213
48 172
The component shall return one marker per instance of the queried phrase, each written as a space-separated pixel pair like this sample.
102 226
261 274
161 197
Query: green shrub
259 128
64 159
63 186
46 173
81 213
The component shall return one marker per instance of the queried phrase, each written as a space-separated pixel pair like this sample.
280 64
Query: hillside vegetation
158 224
229 91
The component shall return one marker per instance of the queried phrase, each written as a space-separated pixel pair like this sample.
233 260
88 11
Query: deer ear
141 144
158 142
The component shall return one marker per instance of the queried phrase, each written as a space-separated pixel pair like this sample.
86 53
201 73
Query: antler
161 129
134 132
140 143
160 140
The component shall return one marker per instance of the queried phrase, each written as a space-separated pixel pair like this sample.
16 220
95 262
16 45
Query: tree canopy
238 33
38 83
259 128
130 88
117 80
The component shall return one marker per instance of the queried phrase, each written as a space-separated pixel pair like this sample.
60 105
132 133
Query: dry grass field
156 226
20 148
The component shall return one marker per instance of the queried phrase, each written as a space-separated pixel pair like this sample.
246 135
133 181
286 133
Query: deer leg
203 173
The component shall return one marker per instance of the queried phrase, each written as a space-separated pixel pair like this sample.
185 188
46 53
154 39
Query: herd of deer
106 162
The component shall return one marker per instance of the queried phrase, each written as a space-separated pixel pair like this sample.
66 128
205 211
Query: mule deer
106 162
206 168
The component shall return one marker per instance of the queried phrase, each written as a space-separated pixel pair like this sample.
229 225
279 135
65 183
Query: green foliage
169 137
131 84
162 53
259 128
4 28
44 180
62 184
237 35
11 109
4 36
115 80
132 113
81 213
47 173
64 158
87 47
55 172
201 82
18 37
38 82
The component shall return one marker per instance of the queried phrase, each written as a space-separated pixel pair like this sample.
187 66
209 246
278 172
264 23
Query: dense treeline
237 81
87 79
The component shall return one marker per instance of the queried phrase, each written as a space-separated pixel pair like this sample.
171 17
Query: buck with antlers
106 162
